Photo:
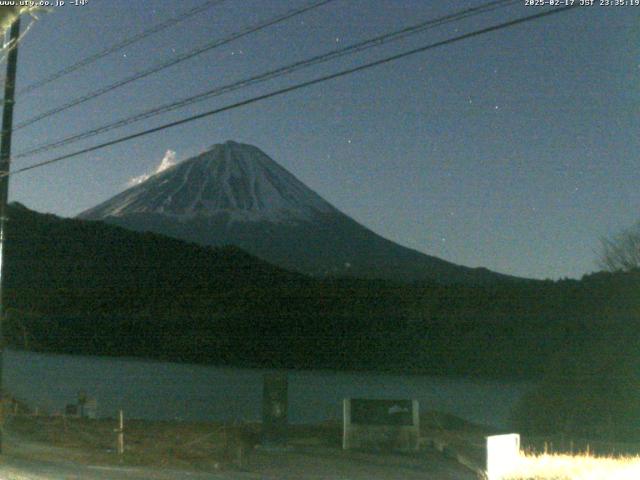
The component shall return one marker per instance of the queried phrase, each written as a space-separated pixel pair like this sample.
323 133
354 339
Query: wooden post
82 400
346 424
120 432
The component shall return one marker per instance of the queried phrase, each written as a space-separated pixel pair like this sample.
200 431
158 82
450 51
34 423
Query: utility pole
5 163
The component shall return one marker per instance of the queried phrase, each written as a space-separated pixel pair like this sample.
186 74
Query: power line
285 70
119 46
174 61
298 86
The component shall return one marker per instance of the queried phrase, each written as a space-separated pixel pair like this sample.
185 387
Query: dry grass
203 446
575 467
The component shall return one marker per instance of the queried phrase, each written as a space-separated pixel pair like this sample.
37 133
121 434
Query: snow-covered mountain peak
230 178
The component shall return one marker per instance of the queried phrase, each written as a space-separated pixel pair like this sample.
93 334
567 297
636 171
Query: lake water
168 391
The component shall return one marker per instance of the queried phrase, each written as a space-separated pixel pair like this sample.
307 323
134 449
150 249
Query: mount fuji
235 194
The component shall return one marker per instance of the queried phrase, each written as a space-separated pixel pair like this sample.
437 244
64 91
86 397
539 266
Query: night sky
516 150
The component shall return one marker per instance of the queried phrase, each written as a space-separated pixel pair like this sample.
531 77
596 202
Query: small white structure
388 424
503 452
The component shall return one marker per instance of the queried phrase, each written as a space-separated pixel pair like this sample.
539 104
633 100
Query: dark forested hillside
87 287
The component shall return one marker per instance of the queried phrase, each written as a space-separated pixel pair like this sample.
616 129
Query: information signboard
381 412
380 424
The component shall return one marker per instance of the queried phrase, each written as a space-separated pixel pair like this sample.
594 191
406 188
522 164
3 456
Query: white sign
503 452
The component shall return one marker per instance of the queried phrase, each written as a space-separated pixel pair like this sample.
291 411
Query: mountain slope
235 194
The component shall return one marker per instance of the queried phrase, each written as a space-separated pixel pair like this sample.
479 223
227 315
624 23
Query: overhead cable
169 63
119 46
271 74
298 86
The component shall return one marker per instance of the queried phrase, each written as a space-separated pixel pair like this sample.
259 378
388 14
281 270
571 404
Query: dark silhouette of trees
622 251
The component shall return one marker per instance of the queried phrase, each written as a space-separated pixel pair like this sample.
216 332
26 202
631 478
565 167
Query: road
24 461
285 466
22 469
